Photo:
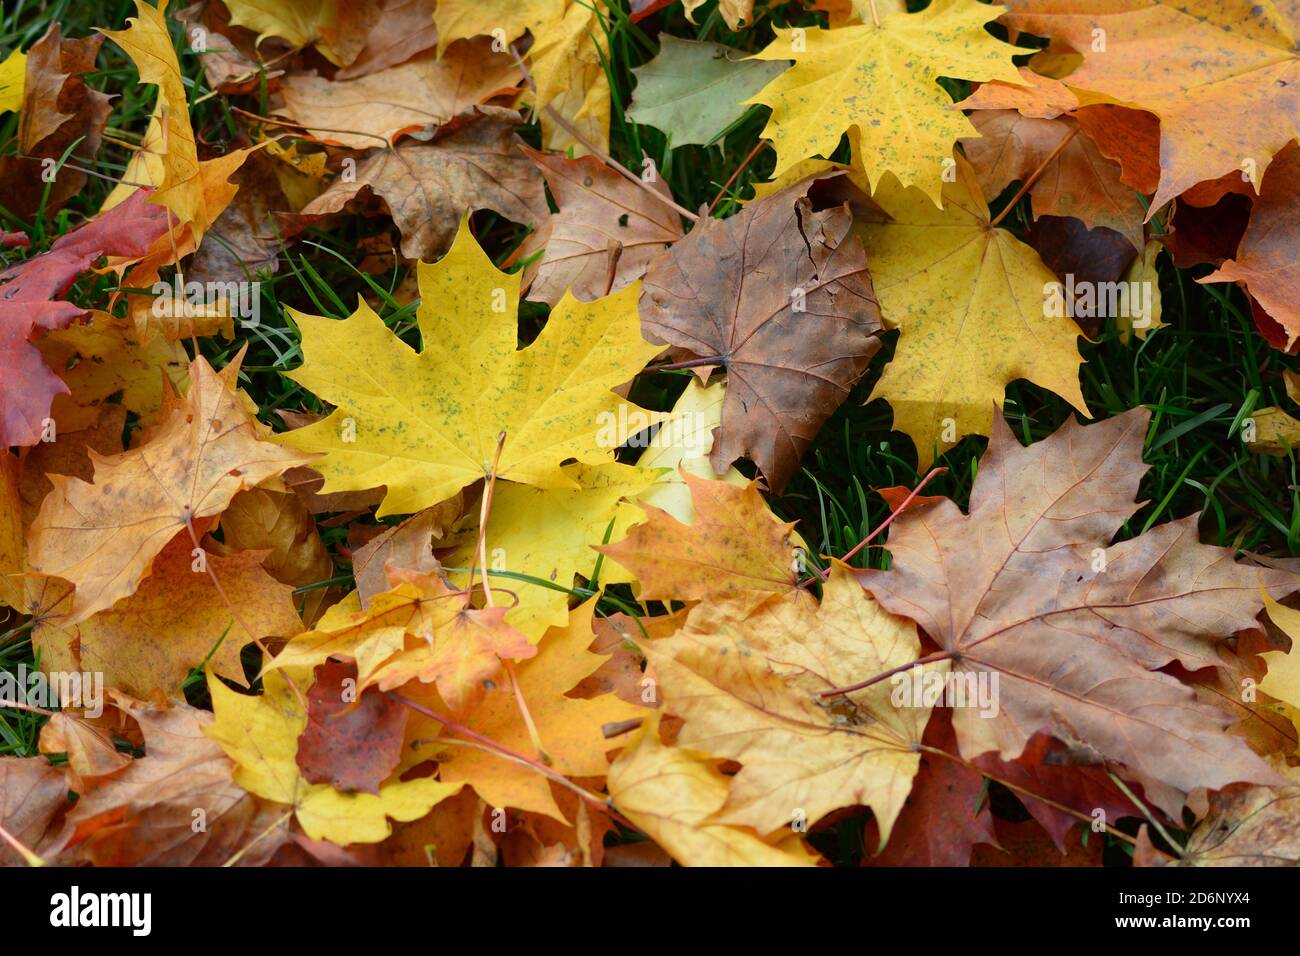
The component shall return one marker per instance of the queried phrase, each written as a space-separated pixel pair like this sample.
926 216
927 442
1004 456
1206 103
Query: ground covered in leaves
556 432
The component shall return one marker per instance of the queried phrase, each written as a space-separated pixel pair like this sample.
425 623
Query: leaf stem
689 363
932 473
488 745
1034 176
1016 788
919 662
725 186
30 858
1151 818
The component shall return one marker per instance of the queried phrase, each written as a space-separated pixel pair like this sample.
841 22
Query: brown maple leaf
59 113
1075 180
780 295
1266 262
428 187
403 29
147 814
1024 590
424 92
606 234
1248 826
32 795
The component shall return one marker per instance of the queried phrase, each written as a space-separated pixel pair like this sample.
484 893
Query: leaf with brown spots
353 739
747 679
879 82
970 302
1246 826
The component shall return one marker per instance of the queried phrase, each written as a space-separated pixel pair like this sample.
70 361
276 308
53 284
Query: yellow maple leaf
168 157
549 534
426 424
368 636
177 322
13 76
104 358
260 734
973 305
339 28
421 629
682 444
298 21
568 69
747 680
880 83
671 793
1283 678
503 20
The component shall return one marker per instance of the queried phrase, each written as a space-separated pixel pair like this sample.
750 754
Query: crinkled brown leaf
422 93
780 293
404 28
429 187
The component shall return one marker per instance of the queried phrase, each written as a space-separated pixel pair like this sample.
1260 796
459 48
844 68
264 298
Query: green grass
1201 375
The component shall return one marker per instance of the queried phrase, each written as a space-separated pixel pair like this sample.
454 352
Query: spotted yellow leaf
426 424
879 83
